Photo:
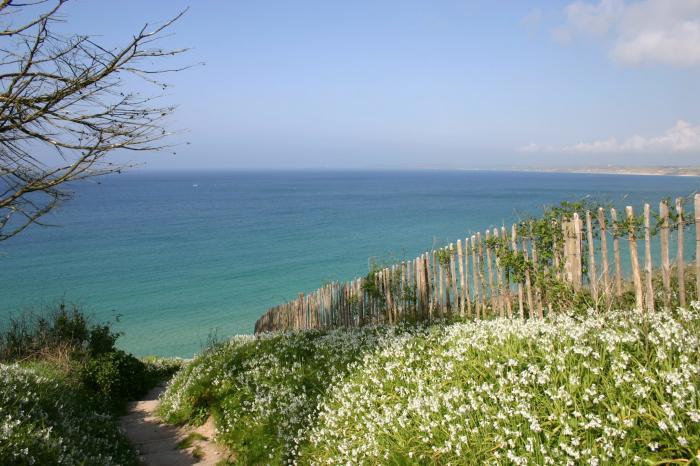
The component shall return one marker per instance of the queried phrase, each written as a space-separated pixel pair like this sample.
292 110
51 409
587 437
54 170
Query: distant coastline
613 170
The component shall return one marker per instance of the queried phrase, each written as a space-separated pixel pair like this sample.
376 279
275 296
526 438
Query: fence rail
526 271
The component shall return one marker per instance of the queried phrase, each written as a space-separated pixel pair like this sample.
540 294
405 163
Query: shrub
64 331
45 419
116 375
158 369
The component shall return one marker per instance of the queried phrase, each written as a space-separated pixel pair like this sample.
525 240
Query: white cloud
595 19
644 31
683 137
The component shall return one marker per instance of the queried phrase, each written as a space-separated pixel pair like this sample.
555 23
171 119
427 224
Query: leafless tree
65 107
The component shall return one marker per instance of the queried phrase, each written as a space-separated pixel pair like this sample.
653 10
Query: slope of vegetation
47 419
62 383
617 387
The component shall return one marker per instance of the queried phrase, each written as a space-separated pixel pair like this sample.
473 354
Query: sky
417 84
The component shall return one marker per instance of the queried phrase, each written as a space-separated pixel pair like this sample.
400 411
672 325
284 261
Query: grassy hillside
612 388
62 384
47 419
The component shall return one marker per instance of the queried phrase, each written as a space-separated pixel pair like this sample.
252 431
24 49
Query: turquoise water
177 256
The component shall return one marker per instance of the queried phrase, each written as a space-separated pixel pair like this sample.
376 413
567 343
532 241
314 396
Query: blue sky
416 84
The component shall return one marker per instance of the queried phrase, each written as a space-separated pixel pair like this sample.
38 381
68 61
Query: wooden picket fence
469 278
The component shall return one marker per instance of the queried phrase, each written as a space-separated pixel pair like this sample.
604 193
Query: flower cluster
42 421
270 384
605 388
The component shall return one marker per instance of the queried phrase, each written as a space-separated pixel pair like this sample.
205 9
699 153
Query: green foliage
158 369
116 375
409 295
589 389
197 452
370 284
443 257
63 330
46 418
270 384
190 440
57 407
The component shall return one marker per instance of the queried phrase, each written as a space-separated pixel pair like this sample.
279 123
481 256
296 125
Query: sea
177 259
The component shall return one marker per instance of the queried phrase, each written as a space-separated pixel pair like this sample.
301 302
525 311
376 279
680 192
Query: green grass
46 418
610 388
188 441
197 453
62 384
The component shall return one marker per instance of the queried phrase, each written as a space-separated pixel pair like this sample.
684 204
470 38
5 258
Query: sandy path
157 442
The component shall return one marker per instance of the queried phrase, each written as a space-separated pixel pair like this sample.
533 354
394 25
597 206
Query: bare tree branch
69 94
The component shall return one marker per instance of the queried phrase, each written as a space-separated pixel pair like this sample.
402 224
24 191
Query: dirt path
157 443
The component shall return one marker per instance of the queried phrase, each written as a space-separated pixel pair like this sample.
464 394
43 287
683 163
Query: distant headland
618 170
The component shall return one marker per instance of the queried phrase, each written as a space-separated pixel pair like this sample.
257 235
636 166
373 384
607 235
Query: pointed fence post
499 275
616 252
634 258
536 287
441 296
506 278
467 294
453 277
462 284
435 290
489 269
514 245
649 294
528 283
592 272
480 268
697 247
578 266
680 260
604 254
665 259
425 267
475 277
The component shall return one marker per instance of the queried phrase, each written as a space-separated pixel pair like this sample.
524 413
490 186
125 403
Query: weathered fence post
514 245
604 255
441 297
460 257
665 260
506 278
499 279
453 276
467 294
475 276
528 283
634 258
592 272
537 287
697 247
435 290
647 259
480 259
426 285
616 253
492 297
680 261
578 260
568 262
